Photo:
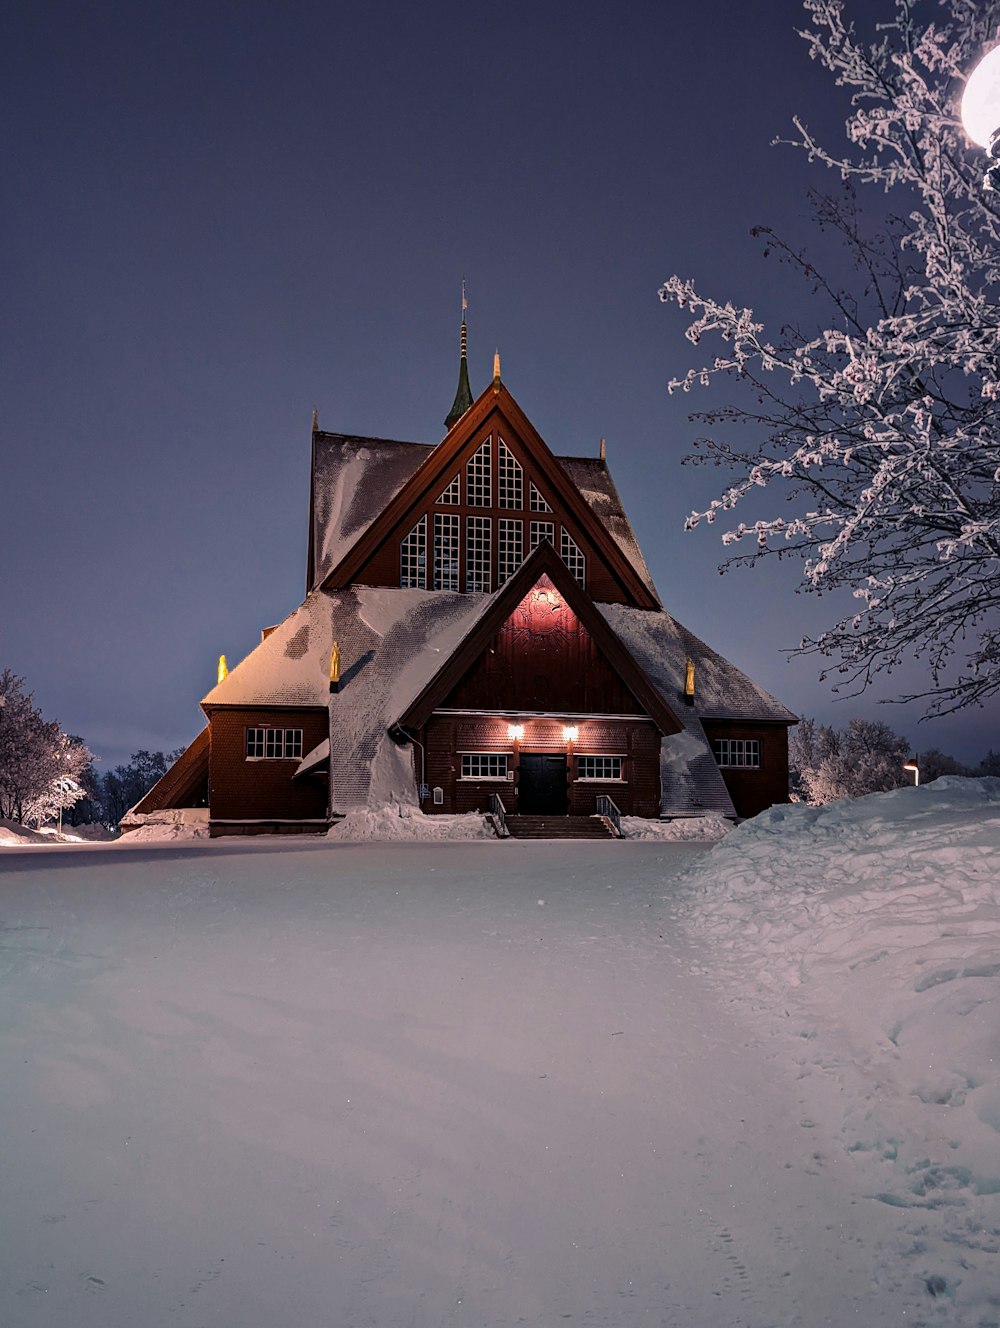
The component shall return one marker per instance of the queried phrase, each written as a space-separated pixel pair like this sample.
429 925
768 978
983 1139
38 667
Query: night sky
220 216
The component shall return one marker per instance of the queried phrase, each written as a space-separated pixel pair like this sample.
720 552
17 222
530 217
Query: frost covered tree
879 425
827 763
40 766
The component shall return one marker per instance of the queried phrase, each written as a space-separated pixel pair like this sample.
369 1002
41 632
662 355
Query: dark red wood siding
637 740
262 790
543 658
753 791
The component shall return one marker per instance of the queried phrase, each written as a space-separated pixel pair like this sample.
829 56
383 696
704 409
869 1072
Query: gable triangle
542 574
494 414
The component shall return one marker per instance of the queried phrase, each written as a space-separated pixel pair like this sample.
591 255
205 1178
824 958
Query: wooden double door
542 786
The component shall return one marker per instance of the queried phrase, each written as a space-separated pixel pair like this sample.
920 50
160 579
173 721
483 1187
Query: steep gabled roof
353 479
434 470
544 561
593 479
391 642
661 645
184 784
290 667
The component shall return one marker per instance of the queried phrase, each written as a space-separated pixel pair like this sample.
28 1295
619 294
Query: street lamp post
914 769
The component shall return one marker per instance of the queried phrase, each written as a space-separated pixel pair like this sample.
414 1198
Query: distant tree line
45 771
109 795
864 757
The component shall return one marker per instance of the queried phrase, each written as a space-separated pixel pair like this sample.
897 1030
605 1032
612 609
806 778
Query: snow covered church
480 632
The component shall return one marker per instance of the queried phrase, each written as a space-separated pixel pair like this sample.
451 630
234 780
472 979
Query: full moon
981 100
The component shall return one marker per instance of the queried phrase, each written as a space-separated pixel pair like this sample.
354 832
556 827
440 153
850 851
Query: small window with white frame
737 753
273 744
605 768
485 765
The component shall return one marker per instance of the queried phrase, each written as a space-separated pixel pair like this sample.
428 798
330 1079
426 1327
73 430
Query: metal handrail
607 808
499 812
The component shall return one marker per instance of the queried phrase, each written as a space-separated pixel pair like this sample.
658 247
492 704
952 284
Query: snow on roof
392 642
661 645
691 780
355 478
291 666
593 479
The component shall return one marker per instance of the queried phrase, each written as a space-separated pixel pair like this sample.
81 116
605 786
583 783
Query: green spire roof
463 395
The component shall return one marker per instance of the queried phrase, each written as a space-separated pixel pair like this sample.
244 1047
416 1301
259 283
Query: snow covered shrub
827 763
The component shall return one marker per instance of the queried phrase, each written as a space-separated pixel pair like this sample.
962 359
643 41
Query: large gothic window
456 550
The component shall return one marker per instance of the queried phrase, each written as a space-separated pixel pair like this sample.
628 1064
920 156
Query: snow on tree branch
882 427
41 767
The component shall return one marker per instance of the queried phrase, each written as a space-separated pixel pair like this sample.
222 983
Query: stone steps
558 827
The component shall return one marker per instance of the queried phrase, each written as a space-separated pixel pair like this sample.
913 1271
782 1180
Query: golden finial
689 681
335 667
315 420
223 669
604 450
496 372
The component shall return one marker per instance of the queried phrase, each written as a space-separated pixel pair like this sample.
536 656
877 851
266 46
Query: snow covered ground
492 1083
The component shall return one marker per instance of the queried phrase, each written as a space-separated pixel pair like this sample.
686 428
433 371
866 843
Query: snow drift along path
864 939
415 1085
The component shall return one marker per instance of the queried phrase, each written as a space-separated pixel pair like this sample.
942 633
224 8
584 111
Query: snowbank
13 835
168 824
687 828
399 821
871 929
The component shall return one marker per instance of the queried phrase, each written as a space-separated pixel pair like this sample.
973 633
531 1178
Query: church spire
463 395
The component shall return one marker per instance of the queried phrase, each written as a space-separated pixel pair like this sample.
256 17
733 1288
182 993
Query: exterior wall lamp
570 733
515 732
981 113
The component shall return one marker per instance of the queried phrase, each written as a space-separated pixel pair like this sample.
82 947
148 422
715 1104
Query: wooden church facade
479 620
